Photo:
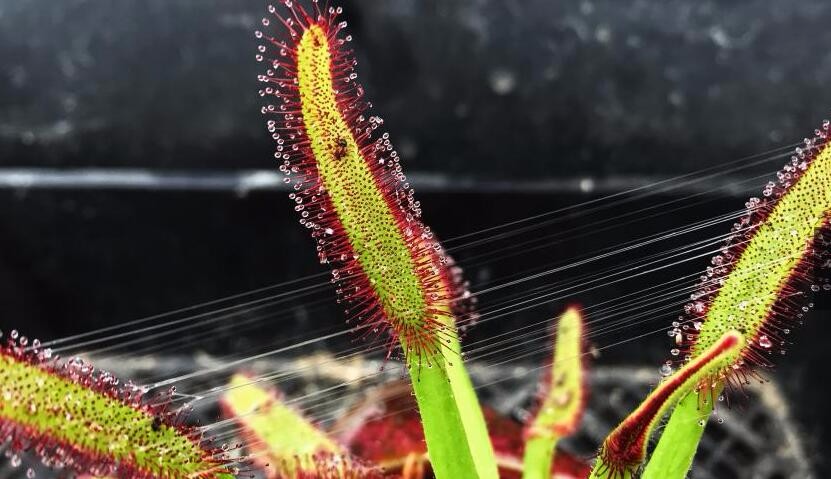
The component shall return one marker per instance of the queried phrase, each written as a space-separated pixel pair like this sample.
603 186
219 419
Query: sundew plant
408 302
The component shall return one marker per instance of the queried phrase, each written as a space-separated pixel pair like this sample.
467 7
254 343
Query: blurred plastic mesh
755 440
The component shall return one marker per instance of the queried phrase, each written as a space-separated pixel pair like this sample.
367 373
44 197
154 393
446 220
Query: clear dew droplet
665 370
765 342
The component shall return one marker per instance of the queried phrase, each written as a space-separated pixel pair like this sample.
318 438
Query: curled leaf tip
625 449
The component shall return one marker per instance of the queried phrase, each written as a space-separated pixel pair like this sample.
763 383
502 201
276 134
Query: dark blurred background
136 175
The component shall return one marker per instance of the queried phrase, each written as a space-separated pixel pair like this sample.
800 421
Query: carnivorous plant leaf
625 448
350 192
563 397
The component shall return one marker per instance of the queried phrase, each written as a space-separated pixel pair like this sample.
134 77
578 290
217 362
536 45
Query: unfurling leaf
625 449
562 399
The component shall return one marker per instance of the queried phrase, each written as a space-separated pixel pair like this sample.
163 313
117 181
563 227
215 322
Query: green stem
539 454
454 426
674 453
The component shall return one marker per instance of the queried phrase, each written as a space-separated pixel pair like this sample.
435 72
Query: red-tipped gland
88 422
349 188
759 283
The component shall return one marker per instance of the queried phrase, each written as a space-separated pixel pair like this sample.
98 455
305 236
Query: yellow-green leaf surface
768 266
84 414
352 194
563 401
277 436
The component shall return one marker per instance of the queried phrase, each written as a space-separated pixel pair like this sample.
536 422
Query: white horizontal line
245 181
